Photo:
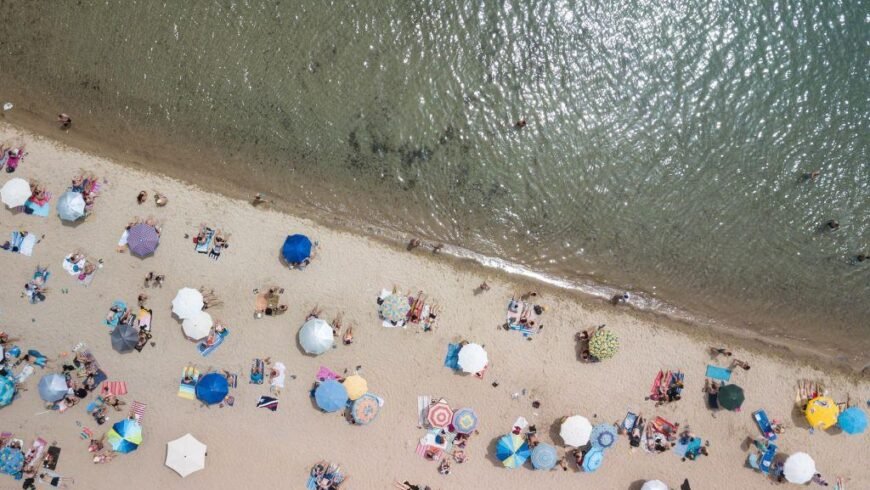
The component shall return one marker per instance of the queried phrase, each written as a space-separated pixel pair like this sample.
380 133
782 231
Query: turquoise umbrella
852 420
7 390
512 450
592 460
125 436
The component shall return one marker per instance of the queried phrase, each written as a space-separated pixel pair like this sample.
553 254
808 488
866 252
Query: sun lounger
206 350
763 423
718 373
204 246
767 459
186 390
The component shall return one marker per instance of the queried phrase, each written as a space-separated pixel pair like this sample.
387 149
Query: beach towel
268 402
278 380
25 373
15 240
187 390
36 209
137 411
655 391
117 388
144 318
257 370
73 268
662 426
204 246
451 360
51 458
760 417
687 446
206 350
767 459
629 421
96 404
719 373
117 309
35 451
325 373
27 244
86 433
423 403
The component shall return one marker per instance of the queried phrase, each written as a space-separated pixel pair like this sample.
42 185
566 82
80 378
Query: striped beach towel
137 411
116 388
86 433
187 390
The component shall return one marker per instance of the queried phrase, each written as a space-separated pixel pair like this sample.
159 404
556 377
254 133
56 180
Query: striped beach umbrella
142 240
440 415
544 456
330 396
465 420
7 390
365 409
603 436
356 386
592 460
394 308
125 436
512 450
71 206
603 344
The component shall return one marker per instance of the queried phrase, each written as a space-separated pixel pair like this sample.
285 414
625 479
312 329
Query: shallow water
664 151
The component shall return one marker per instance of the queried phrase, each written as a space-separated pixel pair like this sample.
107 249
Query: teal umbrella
731 397
7 390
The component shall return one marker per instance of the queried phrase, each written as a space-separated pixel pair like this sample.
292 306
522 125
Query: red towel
116 388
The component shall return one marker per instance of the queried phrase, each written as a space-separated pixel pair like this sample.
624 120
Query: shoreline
592 294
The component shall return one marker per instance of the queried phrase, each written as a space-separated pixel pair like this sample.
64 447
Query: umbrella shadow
555 428
71 224
636 485
491 453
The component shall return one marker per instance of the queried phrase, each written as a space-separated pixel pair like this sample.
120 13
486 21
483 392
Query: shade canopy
852 420
52 387
356 386
822 412
603 436
799 468
544 456
212 388
125 436
7 390
296 249
330 396
440 415
465 420
512 450
185 455
125 338
15 192
142 240
198 326
654 485
394 308
604 344
316 336
187 303
730 397
575 431
365 409
71 206
592 460
472 358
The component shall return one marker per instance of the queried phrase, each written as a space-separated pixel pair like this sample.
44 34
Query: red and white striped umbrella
440 415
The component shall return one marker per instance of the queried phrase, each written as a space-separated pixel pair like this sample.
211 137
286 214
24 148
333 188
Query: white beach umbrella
575 431
799 468
185 455
187 303
316 337
472 358
654 485
197 327
15 192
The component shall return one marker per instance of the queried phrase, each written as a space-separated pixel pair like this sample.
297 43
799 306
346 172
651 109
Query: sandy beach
248 446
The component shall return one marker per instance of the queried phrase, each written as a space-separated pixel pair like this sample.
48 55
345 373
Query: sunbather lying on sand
314 313
336 324
209 298
348 336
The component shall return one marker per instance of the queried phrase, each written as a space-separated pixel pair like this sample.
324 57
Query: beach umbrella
187 303
512 450
125 338
544 456
185 455
356 386
198 326
799 468
71 206
52 387
15 192
731 397
465 420
394 308
296 249
212 388
440 415
575 431
125 436
654 485
365 409
472 358
603 344
822 412
316 336
330 396
11 460
7 390
142 240
603 436
852 420
592 460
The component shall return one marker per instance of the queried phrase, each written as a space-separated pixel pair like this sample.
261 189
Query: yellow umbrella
822 412
356 386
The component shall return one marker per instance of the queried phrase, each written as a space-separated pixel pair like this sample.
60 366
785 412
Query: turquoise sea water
664 151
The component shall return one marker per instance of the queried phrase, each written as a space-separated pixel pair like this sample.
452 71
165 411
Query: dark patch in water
410 156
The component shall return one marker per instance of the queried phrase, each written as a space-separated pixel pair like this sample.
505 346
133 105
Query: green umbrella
604 344
395 308
731 397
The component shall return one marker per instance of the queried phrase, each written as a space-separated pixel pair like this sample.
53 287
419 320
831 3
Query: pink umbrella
440 414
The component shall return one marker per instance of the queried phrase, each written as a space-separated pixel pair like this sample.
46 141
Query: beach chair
629 421
763 423
767 459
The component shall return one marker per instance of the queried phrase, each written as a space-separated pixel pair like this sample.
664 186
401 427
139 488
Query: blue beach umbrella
7 390
592 460
212 388
52 387
512 450
125 436
544 456
71 206
852 420
603 436
296 249
331 396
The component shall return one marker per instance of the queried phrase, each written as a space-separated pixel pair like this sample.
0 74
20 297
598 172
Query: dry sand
250 446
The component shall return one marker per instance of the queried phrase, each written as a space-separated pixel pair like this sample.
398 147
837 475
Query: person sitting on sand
444 467
720 351
209 298
141 197
459 456
160 199
220 243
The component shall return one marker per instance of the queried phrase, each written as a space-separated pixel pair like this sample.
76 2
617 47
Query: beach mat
206 350
34 209
188 390
451 360
267 402
50 461
203 247
719 373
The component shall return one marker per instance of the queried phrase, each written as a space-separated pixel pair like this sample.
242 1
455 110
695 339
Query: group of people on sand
38 463
150 221
583 338
11 156
327 476
79 265
337 323
35 289
88 185
159 199
211 241
268 302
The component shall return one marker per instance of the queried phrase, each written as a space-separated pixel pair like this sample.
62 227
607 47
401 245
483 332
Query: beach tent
15 192
365 409
603 436
198 326
604 344
544 456
142 240
799 468
575 431
125 338
185 455
822 412
212 388
296 249
394 308
356 386
852 420
592 460
316 337
465 421
125 436
52 387
187 303
472 358
7 389
330 396
730 397
512 450
71 206
440 415
654 485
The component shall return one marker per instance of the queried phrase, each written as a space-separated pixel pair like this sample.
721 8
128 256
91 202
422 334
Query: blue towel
206 350
763 423
452 358
767 459
37 210
720 373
